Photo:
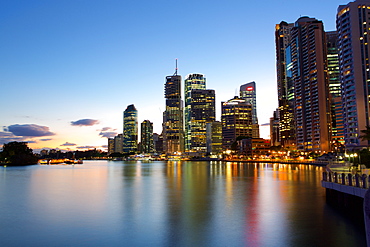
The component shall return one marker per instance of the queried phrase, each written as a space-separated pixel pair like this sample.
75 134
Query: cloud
30 130
11 139
45 140
6 137
107 128
108 134
84 122
86 147
265 124
68 144
104 146
30 141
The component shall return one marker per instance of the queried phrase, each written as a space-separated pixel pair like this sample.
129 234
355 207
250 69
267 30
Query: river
116 203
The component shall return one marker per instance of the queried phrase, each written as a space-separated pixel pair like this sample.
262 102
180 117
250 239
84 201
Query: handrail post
357 180
349 177
365 182
324 176
343 178
335 177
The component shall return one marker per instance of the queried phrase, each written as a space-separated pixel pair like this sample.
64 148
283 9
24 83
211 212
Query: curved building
130 129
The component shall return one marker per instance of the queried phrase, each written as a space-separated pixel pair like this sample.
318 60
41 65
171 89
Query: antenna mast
175 68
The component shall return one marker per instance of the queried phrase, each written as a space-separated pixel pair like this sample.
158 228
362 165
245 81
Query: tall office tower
335 90
214 137
158 143
353 44
307 54
236 119
192 81
118 143
147 143
248 92
173 126
130 129
274 129
285 85
110 146
201 111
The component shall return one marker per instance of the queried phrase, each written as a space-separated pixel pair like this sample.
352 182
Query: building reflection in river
103 203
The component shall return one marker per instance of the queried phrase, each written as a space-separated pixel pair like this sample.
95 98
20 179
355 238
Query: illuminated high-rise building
147 143
110 146
285 84
173 127
200 112
130 129
274 129
236 119
335 90
118 143
312 106
192 81
248 92
353 27
306 68
214 138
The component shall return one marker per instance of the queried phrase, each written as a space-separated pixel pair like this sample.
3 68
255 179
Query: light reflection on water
102 203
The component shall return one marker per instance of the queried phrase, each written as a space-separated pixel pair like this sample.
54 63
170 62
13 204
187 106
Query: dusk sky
70 68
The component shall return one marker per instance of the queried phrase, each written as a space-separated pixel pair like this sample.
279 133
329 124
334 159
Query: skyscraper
110 146
236 119
214 137
118 143
130 129
200 112
248 92
335 90
192 81
353 26
285 85
173 127
274 129
306 68
147 143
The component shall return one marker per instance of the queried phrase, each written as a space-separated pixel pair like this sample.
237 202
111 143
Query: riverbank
313 162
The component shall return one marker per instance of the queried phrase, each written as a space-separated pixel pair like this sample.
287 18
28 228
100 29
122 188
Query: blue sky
67 62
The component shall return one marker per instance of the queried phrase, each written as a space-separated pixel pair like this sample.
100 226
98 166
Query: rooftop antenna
175 68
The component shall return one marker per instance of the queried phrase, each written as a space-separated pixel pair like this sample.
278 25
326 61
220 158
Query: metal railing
349 179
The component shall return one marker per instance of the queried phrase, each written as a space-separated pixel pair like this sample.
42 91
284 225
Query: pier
350 194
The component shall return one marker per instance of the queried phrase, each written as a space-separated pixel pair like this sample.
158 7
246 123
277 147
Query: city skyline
70 69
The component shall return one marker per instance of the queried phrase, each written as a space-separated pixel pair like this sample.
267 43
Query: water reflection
169 204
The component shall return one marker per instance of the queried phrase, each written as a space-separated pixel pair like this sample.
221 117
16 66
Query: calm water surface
102 203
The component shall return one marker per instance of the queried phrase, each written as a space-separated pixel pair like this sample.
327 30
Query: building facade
200 112
130 129
110 146
173 125
353 26
306 68
248 93
214 138
147 143
285 85
274 129
192 81
236 119
118 143
337 130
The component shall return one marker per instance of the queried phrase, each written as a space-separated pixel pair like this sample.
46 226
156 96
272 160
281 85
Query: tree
18 153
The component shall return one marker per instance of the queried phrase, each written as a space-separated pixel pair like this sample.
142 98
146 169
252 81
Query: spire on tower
175 68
